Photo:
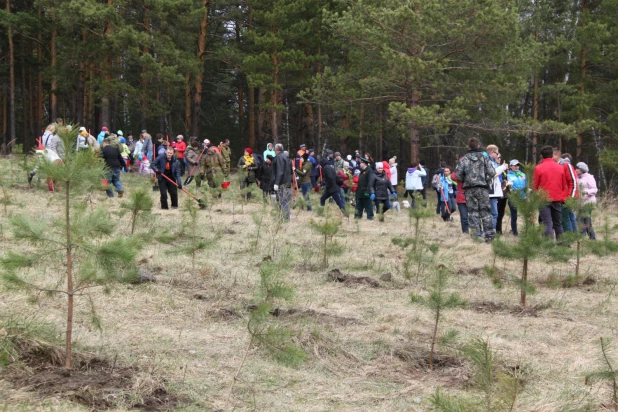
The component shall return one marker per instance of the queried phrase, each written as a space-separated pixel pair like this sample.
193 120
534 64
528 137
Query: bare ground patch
497 307
337 276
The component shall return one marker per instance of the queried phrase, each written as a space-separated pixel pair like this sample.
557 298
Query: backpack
435 181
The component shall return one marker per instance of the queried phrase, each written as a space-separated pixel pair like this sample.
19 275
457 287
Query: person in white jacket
495 192
414 182
393 168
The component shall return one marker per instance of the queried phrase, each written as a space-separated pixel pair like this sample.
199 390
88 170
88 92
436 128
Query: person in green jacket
304 175
226 153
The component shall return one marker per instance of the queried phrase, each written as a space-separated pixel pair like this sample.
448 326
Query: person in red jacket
460 198
569 222
549 176
181 147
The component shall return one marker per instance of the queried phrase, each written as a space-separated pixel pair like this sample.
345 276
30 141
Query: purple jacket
588 188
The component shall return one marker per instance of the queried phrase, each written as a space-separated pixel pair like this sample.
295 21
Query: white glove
276 187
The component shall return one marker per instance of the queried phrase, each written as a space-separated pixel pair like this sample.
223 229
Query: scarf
248 160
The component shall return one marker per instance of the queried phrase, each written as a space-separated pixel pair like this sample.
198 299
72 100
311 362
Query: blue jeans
513 210
149 155
336 197
285 198
463 212
493 205
305 188
113 178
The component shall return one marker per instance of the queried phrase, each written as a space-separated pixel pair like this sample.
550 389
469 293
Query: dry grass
366 345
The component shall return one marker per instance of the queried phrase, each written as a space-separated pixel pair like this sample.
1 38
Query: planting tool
199 201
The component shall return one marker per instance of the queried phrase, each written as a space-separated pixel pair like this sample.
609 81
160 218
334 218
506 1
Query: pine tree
328 228
79 247
608 372
500 390
438 302
139 206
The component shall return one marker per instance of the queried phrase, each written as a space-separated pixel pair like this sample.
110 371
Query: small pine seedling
438 301
417 214
139 206
500 390
328 228
608 372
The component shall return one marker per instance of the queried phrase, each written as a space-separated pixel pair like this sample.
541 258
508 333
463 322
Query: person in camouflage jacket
226 153
212 165
476 172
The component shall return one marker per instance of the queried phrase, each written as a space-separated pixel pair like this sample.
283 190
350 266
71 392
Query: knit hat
349 157
346 164
330 152
119 133
180 137
270 157
337 154
303 145
144 131
379 165
311 151
104 129
583 167
357 172
249 150
82 129
514 162
123 140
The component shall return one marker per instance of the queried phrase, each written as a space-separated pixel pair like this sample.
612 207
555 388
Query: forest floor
184 336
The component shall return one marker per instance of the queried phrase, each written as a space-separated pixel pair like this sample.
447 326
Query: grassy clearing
367 346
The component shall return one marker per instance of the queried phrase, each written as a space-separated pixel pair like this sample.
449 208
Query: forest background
408 78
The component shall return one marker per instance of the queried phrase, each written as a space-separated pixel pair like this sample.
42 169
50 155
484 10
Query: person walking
477 173
212 166
332 184
147 147
114 161
588 190
414 182
549 176
192 155
304 175
166 164
364 191
282 184
518 184
382 189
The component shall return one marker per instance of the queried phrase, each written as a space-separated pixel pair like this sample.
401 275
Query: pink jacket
588 188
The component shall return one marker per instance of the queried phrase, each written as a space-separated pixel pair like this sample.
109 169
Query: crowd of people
479 187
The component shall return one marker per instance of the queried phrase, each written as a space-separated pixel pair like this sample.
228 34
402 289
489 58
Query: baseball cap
514 162
82 129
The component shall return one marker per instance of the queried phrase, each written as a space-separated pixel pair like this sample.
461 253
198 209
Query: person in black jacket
266 184
365 192
167 164
382 188
332 184
113 159
282 183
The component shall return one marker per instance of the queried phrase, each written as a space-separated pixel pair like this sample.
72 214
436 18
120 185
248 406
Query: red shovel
199 201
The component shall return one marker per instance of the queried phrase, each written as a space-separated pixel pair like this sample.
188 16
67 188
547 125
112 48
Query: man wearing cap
298 159
338 162
314 170
476 173
181 148
518 183
282 179
549 176
147 148
330 157
365 192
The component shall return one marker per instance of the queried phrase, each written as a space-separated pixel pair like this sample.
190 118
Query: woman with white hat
588 193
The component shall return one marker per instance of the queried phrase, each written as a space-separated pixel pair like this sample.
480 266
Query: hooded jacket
266 183
159 166
269 151
414 178
571 179
192 157
588 188
394 175
475 170
332 182
147 146
212 164
497 186
52 142
519 180
460 196
101 137
251 169
338 164
382 186
304 173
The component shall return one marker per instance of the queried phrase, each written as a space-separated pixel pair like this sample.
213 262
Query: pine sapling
438 301
500 390
140 204
91 255
417 214
608 372
328 228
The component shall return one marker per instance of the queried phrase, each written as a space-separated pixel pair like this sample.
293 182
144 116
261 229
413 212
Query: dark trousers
305 188
363 203
463 212
424 194
336 197
551 217
513 210
501 209
167 186
440 203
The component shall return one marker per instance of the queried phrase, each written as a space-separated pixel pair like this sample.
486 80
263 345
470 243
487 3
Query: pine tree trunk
582 77
535 117
105 109
241 108
261 115
24 98
433 339
143 78
414 134
251 121
274 101
39 85
319 127
201 55
69 331
360 127
188 99
53 103
380 132
11 86
524 282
